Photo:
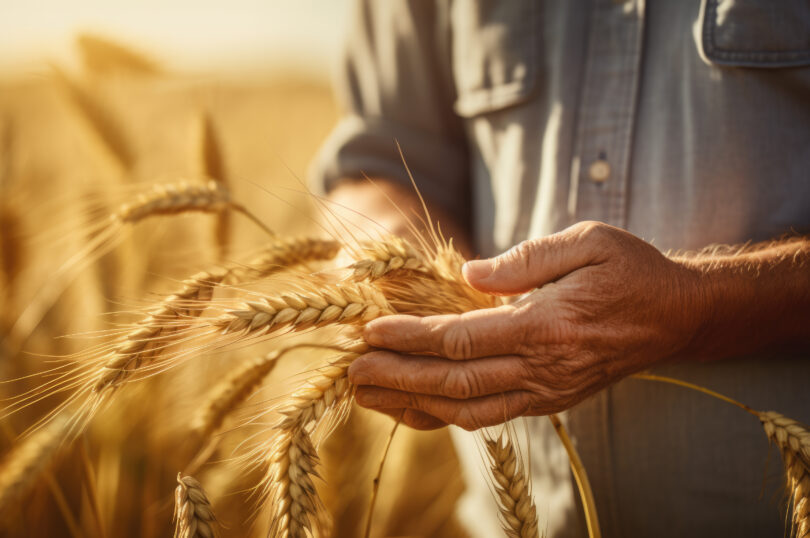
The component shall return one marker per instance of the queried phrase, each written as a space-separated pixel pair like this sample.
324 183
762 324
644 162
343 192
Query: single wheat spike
343 303
152 334
382 257
229 393
172 198
292 458
512 488
793 440
295 503
192 510
326 389
29 458
280 254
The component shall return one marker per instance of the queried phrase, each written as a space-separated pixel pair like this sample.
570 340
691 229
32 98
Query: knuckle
465 419
457 342
461 384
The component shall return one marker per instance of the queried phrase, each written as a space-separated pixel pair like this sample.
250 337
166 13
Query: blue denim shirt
686 122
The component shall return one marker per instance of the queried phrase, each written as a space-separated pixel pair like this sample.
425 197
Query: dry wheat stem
212 167
512 488
581 477
793 440
193 514
343 303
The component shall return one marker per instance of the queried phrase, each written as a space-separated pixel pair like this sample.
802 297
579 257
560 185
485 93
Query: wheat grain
793 440
512 488
192 510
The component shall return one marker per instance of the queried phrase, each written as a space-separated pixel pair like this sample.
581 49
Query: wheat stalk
192 510
512 487
212 167
793 440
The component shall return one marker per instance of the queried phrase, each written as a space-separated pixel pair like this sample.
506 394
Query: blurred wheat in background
76 145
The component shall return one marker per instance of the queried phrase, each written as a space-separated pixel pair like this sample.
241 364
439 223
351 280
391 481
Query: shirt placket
606 112
599 181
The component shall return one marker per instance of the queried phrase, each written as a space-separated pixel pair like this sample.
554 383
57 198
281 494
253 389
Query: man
573 130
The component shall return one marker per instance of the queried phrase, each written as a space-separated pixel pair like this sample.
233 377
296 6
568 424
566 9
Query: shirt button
599 171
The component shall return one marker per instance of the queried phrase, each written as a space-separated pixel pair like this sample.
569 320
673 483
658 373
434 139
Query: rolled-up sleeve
395 85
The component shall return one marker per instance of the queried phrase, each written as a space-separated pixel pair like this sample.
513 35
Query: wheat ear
793 440
192 510
295 503
512 488
229 393
279 254
29 459
344 303
152 334
382 257
315 408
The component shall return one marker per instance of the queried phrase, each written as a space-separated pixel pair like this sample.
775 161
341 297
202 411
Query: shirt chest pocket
494 53
756 33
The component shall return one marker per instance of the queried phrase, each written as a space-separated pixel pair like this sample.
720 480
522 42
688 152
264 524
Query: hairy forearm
392 208
751 298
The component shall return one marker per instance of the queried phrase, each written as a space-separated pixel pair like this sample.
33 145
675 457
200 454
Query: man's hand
608 305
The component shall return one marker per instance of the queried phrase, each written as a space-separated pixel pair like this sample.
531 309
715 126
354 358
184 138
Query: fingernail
477 270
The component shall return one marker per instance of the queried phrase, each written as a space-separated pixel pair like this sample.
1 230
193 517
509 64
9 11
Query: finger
414 419
536 262
438 376
469 414
480 333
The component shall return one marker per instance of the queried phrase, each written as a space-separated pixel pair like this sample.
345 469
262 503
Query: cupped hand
602 304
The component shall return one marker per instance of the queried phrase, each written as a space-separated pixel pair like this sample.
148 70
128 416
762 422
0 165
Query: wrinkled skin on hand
602 304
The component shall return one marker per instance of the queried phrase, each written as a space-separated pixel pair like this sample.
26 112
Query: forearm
751 300
392 208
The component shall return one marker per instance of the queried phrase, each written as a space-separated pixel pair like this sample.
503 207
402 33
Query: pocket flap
756 33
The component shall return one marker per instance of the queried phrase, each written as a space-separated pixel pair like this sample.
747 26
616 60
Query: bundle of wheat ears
319 292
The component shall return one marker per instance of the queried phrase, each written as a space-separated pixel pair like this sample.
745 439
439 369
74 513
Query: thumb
536 262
